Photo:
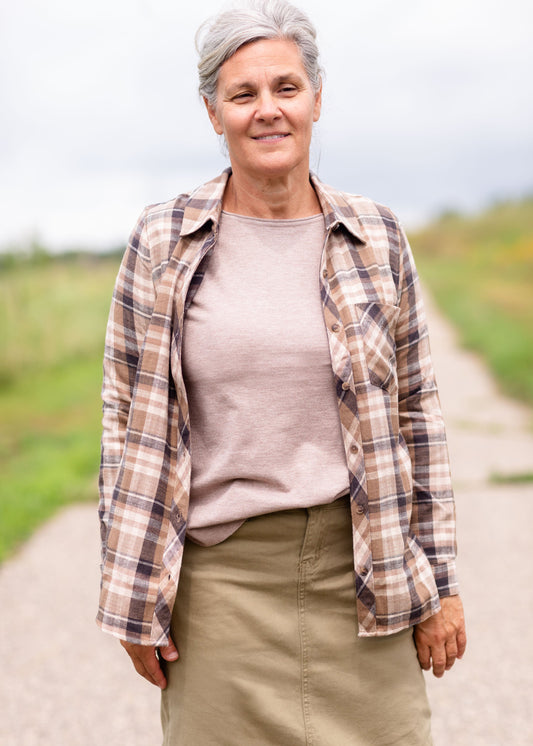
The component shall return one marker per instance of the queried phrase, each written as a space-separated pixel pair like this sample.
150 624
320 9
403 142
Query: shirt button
335 327
360 509
324 273
345 386
363 571
354 448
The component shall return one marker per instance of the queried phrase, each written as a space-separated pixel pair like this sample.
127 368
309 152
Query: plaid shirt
401 498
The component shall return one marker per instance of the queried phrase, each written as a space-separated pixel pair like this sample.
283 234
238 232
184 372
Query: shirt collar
205 204
337 210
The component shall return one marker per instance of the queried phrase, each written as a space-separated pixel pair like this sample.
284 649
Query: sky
427 107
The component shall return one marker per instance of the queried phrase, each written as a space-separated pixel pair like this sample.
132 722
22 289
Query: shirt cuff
446 578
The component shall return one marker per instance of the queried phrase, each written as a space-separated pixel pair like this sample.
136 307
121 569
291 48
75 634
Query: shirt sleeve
131 308
422 428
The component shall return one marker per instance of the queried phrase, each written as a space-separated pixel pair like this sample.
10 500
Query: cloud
424 107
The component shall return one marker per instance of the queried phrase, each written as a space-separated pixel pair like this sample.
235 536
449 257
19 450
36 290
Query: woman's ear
318 103
212 113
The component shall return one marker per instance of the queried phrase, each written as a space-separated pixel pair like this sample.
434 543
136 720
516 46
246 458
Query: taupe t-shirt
265 425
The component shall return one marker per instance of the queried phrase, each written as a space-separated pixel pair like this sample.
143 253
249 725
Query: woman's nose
267 107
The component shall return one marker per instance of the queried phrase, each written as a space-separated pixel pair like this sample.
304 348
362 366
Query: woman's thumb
169 652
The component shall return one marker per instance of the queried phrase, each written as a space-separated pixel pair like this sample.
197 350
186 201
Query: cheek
307 122
307 117
234 125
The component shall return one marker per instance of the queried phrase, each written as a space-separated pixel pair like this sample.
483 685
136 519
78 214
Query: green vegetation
516 479
480 271
52 323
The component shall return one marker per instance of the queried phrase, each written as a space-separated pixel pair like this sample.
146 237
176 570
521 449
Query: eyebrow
296 77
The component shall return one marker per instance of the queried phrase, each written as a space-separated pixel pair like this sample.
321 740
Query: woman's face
265 109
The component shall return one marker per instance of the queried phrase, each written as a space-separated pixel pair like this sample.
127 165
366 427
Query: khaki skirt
269 655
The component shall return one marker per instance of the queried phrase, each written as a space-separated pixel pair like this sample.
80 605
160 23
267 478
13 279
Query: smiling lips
275 136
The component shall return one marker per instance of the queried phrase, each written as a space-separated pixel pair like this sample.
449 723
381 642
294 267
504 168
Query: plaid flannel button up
401 497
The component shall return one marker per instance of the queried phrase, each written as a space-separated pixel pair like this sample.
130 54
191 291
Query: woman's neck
271 198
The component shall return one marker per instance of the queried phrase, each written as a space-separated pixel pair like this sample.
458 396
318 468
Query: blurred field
480 272
52 323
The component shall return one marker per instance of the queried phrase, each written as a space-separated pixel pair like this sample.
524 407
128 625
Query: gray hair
220 37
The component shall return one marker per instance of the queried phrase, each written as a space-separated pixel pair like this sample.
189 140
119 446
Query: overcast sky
427 106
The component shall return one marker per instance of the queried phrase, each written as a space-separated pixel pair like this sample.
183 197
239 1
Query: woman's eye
242 96
288 89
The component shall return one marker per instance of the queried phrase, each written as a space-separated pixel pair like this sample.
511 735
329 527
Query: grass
480 271
519 478
52 317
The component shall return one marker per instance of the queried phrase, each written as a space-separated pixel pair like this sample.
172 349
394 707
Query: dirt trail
64 683
486 699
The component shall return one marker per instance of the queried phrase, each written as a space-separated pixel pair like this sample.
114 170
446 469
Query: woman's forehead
275 58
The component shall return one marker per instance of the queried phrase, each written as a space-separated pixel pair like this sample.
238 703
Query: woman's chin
276 168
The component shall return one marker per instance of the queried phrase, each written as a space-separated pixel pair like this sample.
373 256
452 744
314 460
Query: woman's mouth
275 136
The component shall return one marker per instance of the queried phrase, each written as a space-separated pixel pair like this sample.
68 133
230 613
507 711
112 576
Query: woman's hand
441 639
146 662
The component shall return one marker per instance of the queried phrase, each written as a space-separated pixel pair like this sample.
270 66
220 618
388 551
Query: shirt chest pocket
377 328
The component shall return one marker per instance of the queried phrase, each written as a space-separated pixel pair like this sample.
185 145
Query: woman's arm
131 308
441 639
422 428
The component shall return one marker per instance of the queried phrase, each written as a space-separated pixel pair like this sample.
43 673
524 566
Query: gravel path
64 683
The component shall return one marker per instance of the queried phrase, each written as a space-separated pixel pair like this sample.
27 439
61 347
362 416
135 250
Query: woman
272 435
